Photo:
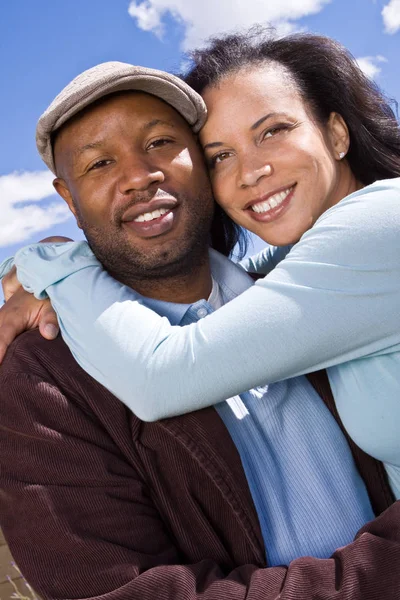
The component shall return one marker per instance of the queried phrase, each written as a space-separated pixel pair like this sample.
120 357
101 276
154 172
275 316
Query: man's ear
339 135
62 189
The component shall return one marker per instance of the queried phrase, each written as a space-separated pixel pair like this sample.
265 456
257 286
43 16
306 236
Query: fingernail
51 330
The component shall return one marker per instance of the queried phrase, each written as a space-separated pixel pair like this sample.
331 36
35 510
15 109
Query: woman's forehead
260 84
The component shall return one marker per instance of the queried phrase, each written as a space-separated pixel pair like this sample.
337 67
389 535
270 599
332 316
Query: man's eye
98 164
159 143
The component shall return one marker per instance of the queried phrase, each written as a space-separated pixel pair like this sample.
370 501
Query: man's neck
181 289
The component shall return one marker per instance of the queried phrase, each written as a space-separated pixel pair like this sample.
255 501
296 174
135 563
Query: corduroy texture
95 503
109 77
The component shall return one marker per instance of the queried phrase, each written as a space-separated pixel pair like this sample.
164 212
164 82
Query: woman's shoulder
363 225
374 208
370 199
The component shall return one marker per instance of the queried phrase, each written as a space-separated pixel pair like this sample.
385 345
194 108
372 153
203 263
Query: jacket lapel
205 437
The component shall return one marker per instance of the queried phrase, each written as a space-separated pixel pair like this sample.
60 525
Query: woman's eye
219 158
273 131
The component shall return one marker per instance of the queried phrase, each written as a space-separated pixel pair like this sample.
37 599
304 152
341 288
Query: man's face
133 175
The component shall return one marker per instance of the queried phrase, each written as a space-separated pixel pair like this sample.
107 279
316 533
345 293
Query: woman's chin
285 237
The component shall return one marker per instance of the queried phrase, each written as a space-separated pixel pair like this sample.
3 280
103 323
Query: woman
310 162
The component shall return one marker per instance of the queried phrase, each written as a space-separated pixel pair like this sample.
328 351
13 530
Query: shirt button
201 312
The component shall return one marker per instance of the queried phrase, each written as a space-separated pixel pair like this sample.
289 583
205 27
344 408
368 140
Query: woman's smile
271 206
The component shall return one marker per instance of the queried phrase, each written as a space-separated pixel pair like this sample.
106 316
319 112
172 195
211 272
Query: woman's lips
265 211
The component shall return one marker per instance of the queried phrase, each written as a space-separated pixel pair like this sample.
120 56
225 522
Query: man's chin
177 251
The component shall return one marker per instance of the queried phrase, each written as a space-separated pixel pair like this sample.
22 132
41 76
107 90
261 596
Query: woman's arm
336 297
266 260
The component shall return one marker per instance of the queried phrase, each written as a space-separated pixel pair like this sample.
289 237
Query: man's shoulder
31 354
31 359
36 370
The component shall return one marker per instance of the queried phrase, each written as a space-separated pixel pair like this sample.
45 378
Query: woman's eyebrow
265 118
252 128
212 145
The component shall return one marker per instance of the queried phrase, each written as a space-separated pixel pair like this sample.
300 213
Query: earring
342 155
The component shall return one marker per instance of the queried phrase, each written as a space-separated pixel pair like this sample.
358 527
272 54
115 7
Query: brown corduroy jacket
97 504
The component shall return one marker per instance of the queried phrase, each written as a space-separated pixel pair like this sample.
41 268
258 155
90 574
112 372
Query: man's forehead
147 112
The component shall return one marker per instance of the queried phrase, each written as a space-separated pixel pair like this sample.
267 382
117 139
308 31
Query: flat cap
109 77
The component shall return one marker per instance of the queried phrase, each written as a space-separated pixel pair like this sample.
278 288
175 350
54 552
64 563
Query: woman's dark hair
328 79
227 236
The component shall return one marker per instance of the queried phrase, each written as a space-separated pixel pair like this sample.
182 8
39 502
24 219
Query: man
96 503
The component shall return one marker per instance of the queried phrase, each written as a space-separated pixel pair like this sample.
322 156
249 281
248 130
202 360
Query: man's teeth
272 202
149 216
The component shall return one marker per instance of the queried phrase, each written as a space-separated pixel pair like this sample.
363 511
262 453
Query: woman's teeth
272 202
149 216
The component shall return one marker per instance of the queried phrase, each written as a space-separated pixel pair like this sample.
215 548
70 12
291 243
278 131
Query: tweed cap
110 77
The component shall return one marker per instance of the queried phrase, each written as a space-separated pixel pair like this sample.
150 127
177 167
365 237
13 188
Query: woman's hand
22 311
10 284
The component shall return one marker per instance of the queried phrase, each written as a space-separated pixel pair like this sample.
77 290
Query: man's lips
144 208
152 219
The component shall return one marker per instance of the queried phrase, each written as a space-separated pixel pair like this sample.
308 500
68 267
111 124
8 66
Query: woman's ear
62 189
339 135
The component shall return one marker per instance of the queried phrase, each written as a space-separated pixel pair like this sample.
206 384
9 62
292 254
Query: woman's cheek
221 191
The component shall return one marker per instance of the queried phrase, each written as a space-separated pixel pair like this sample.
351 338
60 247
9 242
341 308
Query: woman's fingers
48 323
55 239
21 313
10 283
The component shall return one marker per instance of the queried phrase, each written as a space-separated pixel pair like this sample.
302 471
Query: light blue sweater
334 299
309 497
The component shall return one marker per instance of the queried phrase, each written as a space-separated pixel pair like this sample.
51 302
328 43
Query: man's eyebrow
252 128
90 146
155 122
99 144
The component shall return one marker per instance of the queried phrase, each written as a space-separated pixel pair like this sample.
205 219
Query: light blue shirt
309 497
334 299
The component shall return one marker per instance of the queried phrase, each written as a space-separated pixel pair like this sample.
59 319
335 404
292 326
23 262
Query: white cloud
148 17
391 16
21 216
370 65
204 18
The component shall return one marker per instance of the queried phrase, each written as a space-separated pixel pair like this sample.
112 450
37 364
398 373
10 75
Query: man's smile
153 223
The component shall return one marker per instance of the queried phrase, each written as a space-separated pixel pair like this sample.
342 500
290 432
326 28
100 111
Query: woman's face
273 168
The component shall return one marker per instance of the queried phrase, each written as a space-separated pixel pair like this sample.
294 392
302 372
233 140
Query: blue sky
44 44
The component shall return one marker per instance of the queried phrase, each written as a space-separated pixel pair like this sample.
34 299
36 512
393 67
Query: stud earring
342 155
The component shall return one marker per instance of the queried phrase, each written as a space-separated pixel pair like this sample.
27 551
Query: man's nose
252 171
138 174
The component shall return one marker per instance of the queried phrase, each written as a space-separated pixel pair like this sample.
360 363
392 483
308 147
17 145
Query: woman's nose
251 173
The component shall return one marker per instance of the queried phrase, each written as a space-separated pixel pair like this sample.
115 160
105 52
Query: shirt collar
232 279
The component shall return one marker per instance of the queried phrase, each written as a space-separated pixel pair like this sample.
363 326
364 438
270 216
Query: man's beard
179 258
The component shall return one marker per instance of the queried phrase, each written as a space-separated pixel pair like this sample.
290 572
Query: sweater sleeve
266 260
335 298
6 266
